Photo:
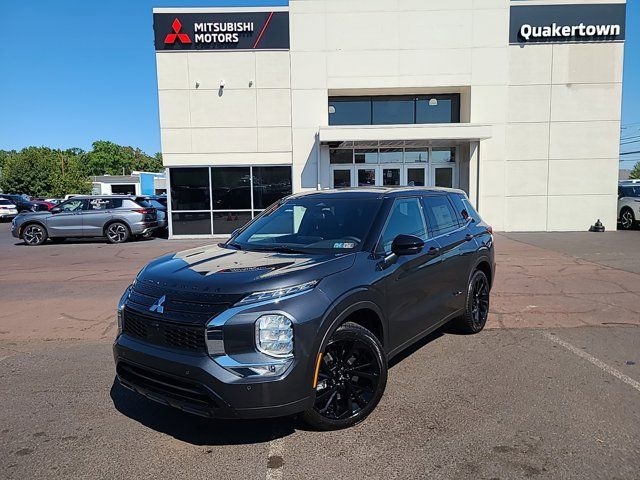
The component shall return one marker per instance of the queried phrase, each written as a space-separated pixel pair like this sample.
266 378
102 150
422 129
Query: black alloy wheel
351 379
34 235
477 307
627 219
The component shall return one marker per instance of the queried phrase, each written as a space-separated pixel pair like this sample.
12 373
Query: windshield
630 191
311 224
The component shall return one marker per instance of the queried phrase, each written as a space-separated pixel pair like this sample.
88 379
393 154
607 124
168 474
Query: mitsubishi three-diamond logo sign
176 26
189 30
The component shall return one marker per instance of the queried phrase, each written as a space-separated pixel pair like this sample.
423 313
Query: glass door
390 175
442 175
415 175
341 177
366 176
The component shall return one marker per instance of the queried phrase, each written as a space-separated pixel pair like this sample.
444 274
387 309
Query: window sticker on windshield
344 245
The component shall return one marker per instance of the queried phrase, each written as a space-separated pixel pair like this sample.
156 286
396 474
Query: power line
630 153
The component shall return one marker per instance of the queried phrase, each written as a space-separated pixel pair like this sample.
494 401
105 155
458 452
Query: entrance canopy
439 132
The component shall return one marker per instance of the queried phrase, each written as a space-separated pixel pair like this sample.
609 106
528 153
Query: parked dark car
300 311
116 217
160 204
24 205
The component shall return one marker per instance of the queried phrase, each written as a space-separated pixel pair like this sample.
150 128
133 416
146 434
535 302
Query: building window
191 223
350 111
218 200
394 110
190 189
231 188
270 184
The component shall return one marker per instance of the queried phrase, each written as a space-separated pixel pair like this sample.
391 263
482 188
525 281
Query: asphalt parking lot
551 389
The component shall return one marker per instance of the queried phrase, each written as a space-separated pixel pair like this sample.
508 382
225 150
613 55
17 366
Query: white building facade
516 102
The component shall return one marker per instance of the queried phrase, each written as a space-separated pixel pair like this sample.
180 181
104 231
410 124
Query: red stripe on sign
266 24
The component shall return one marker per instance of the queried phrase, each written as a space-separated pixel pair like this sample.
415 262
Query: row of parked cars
118 218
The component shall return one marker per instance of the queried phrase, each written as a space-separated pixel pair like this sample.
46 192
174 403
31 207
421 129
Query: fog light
274 335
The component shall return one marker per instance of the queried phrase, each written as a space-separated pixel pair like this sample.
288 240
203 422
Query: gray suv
117 218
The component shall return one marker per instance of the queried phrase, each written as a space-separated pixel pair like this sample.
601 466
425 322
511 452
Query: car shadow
194 429
83 241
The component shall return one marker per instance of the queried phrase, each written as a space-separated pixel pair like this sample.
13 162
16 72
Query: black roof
374 192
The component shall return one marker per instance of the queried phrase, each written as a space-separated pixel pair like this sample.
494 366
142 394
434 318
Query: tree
635 173
44 172
108 158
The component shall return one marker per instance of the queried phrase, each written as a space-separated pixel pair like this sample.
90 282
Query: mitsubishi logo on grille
158 306
176 26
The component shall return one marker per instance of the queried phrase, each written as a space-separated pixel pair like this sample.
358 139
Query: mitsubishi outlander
300 311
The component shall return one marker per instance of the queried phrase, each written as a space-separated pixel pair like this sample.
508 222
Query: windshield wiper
235 245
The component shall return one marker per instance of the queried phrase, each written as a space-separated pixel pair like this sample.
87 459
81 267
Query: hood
216 270
39 214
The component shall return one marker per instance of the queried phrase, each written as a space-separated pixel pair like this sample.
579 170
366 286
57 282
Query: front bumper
194 383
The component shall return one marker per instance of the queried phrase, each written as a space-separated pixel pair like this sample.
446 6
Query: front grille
159 332
189 396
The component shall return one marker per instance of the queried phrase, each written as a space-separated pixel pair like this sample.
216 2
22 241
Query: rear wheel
627 219
477 307
117 232
351 379
34 234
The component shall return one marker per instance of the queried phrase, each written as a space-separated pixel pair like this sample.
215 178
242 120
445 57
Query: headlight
277 293
120 310
274 335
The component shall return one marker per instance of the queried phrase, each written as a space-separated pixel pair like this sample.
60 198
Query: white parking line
590 358
275 460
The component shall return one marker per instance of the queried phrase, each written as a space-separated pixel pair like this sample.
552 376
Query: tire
117 232
351 380
476 309
627 219
34 234
58 239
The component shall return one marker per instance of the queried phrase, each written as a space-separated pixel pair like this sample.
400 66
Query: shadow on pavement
194 429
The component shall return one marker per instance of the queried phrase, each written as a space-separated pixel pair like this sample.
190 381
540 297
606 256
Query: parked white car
7 209
628 203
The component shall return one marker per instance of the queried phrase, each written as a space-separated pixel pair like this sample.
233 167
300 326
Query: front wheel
627 219
476 310
117 232
351 379
34 235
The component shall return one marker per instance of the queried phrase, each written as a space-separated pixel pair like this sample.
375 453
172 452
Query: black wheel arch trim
32 222
115 220
348 303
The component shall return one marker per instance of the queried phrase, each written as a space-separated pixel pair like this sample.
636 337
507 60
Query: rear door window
440 215
464 209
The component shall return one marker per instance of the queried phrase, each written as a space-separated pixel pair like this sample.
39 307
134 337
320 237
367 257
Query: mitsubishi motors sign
221 31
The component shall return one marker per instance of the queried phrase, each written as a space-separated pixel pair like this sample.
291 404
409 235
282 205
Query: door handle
433 251
468 237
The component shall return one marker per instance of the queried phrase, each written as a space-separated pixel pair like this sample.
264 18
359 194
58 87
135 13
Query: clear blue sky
75 71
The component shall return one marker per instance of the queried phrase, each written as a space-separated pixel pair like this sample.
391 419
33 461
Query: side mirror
55 210
407 245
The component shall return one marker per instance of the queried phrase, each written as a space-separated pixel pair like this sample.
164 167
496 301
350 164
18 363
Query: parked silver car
116 217
628 203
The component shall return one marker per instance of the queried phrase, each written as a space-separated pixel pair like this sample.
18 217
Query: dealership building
517 103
